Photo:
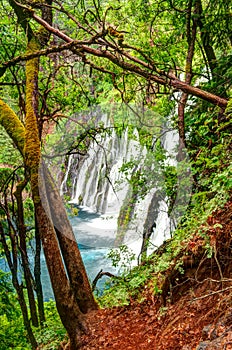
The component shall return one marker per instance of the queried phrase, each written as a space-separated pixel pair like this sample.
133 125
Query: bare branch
100 275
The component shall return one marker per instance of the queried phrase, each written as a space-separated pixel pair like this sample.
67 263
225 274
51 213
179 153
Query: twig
219 267
100 275
212 293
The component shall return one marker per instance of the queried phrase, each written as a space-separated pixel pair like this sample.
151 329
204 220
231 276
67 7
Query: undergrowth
212 172
130 285
12 332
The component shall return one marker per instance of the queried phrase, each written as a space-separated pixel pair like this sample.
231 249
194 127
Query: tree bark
70 314
23 250
66 295
69 311
191 32
37 274
73 262
12 263
205 38
13 126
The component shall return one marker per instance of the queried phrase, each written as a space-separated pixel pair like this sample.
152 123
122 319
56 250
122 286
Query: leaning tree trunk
67 306
73 262
28 142
132 64
68 309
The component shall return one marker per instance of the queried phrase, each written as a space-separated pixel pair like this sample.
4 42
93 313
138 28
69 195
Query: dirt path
183 325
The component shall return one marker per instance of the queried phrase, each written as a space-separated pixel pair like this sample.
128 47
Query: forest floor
195 313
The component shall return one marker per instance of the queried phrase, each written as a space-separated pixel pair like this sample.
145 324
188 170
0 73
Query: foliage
121 289
155 35
212 172
53 332
6 294
121 258
209 147
12 332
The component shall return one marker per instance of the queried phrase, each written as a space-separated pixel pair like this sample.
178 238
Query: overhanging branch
120 58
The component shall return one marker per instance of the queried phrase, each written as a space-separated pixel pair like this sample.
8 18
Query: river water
95 235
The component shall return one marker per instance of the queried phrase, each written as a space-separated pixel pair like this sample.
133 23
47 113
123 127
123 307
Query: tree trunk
68 309
191 32
23 250
70 314
13 126
75 268
12 263
29 145
37 274
205 38
150 224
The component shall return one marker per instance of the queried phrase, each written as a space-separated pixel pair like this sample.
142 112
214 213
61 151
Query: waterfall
153 208
63 186
95 180
100 185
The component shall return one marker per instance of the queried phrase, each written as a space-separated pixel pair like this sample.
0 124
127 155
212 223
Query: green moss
12 125
32 141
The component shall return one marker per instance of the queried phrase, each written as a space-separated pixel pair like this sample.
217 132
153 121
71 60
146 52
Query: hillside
193 312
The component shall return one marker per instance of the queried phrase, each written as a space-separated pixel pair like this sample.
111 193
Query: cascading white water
98 183
153 206
94 180
63 185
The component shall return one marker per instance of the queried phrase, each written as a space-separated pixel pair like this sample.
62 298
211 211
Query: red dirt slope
198 310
